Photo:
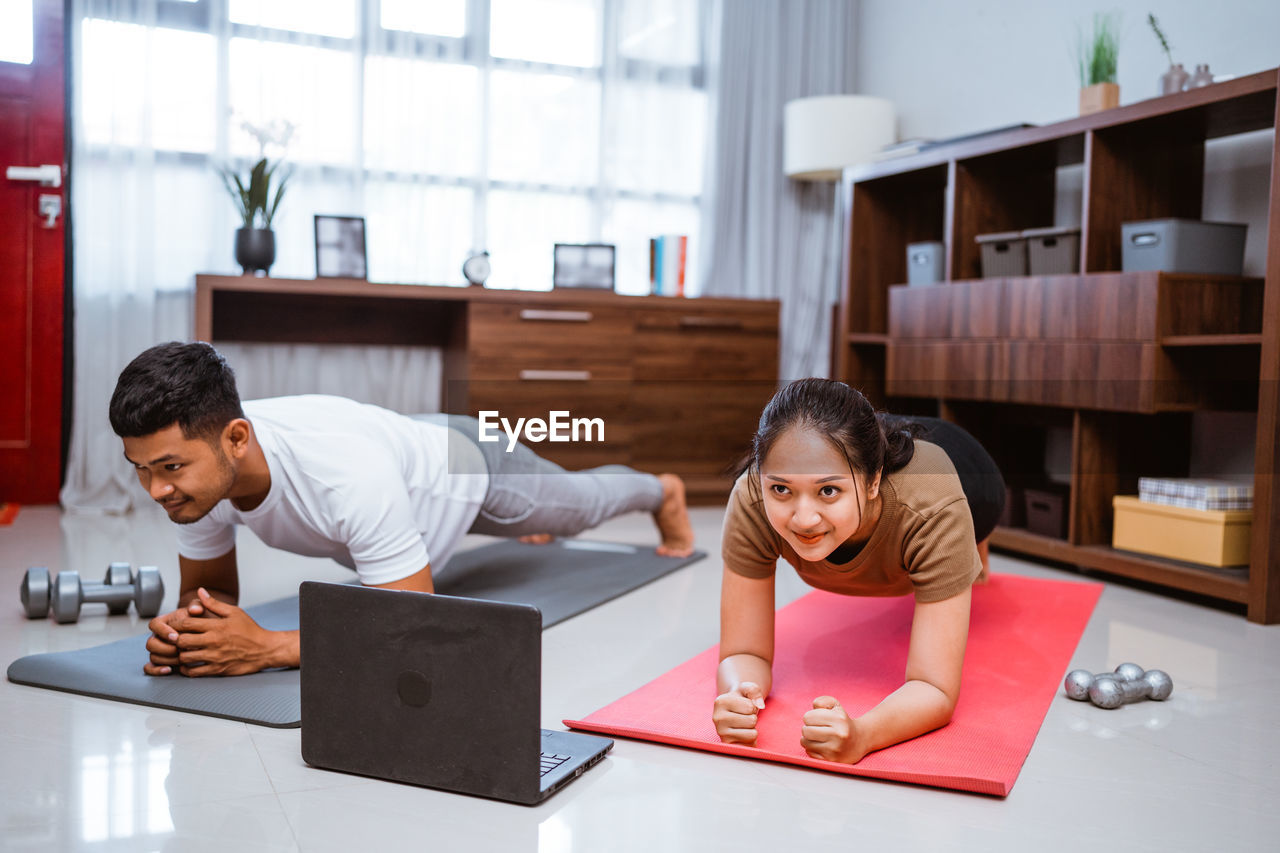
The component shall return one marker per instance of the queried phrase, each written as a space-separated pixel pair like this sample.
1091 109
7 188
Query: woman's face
810 496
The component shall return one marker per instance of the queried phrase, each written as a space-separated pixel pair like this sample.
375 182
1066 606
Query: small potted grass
1098 52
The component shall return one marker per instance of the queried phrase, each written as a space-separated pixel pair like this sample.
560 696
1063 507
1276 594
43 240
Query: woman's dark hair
869 442
188 384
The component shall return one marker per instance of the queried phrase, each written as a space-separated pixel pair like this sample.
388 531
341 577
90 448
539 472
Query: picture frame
584 265
340 247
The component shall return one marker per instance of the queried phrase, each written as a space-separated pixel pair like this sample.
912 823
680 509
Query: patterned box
1194 493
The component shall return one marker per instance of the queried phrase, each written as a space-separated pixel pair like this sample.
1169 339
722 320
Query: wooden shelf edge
865 338
1235 89
1236 340
213 282
1226 584
1101 275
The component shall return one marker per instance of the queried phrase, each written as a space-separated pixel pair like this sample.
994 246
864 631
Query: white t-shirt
376 491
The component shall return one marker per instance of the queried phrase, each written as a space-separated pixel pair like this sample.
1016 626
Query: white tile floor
1198 772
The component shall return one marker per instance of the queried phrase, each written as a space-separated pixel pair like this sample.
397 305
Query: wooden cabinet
1117 362
525 362
678 383
1095 341
702 376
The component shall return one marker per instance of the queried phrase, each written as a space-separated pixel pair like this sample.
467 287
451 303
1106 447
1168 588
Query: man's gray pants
528 494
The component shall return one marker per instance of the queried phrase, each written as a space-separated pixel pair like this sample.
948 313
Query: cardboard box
1053 251
1183 245
1205 536
925 261
1047 510
1003 254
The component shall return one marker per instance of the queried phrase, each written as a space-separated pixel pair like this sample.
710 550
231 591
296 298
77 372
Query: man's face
186 476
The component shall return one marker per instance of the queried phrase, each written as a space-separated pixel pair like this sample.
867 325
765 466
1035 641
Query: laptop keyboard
550 761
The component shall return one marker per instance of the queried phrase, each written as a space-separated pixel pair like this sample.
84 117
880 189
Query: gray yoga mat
561 579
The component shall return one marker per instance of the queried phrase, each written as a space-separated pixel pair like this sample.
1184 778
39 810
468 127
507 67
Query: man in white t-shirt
385 494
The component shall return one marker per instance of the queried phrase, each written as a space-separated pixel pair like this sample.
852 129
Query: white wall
954 67
958 66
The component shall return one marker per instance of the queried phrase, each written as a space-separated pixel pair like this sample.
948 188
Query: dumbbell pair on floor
1128 683
67 592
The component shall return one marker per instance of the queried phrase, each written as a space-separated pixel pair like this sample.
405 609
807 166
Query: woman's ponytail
900 441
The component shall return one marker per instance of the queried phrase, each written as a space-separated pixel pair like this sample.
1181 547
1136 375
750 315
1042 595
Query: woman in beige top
858 505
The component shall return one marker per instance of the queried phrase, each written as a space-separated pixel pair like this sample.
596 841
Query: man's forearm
285 651
186 596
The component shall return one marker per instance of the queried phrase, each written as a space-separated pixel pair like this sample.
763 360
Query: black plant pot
255 249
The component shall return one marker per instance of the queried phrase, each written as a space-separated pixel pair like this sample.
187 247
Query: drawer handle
557 375
539 314
696 322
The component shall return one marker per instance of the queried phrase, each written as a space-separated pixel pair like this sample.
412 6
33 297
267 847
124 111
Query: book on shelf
668 257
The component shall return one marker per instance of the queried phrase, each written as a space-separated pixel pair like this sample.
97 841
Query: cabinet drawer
503 338
692 344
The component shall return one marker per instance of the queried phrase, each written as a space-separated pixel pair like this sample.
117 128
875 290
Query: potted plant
1175 78
255 201
1097 54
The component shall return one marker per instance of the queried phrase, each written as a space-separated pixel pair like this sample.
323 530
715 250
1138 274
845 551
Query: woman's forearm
913 709
738 668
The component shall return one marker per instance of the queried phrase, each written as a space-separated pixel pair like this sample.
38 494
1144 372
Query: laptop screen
428 689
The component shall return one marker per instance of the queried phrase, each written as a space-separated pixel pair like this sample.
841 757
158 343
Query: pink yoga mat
1022 634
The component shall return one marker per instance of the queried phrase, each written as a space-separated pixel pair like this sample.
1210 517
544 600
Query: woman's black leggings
979 475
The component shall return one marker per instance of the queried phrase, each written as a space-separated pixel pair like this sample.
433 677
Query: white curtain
450 126
770 236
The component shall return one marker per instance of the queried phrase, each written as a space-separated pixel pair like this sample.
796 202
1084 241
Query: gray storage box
924 262
1183 245
1053 251
1003 254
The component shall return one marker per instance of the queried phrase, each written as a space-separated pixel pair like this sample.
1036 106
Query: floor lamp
821 136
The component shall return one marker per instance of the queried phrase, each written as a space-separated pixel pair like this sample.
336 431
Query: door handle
556 375
47 175
556 316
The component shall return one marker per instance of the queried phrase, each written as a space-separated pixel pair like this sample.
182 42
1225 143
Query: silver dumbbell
36 589
68 592
1128 683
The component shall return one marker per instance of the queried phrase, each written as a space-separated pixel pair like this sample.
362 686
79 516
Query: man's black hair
190 385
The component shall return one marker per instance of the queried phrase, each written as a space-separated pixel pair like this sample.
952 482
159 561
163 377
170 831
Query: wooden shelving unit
1120 361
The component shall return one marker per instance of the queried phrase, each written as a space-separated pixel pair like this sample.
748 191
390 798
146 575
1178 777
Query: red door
32 246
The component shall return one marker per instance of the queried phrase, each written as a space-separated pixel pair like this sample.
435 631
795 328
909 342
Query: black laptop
431 690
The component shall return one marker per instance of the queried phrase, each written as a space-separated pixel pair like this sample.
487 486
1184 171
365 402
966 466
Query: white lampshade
822 135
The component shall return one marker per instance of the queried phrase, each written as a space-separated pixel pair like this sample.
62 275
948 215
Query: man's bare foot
537 539
672 519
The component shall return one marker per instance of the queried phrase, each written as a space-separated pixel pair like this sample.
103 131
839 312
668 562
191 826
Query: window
451 125
556 32
17 34
335 18
437 18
